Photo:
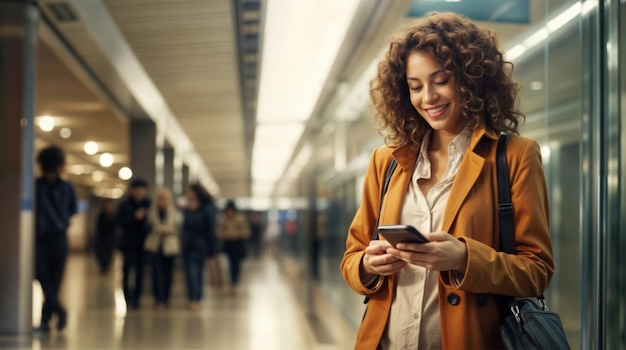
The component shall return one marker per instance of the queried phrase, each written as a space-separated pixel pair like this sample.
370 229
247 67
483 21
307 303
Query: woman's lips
436 112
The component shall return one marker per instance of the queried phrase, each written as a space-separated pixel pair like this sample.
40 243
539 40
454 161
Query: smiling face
432 94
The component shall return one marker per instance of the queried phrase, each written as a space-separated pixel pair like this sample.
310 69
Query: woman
233 230
163 244
199 241
443 94
105 235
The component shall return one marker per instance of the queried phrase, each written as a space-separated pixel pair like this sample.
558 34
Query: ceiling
190 52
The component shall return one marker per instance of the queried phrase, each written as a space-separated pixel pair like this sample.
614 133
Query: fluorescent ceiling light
353 104
300 44
515 52
536 37
295 168
262 189
273 147
553 25
564 17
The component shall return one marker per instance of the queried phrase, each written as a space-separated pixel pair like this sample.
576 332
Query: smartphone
395 234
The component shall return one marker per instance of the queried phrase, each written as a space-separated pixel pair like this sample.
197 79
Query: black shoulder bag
390 169
525 325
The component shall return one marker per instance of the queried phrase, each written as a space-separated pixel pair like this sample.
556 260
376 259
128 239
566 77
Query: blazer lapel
470 168
469 171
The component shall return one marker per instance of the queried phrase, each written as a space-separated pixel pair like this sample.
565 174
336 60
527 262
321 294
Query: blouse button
454 299
482 299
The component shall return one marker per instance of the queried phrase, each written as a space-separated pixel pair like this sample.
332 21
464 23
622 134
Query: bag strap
505 206
390 169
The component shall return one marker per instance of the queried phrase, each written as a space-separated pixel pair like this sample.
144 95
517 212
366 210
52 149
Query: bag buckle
505 208
516 313
542 303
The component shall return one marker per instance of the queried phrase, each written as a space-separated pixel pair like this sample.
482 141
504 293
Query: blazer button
454 299
482 299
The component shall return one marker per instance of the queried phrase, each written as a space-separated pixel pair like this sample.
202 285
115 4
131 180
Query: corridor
264 314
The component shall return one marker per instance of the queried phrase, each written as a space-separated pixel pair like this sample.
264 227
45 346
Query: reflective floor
266 313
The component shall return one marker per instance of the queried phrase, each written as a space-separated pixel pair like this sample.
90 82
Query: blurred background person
199 240
132 217
257 227
233 230
105 235
55 205
162 244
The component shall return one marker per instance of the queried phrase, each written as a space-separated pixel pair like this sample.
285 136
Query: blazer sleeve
527 272
360 231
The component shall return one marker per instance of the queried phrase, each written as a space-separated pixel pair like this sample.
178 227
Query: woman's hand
442 253
377 261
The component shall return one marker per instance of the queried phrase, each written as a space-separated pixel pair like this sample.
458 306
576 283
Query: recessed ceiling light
65 133
125 173
106 160
77 169
46 123
91 148
97 176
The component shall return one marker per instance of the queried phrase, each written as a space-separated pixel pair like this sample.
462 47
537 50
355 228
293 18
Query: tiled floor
265 314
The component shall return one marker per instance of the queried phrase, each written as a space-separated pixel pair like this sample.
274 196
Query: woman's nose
430 94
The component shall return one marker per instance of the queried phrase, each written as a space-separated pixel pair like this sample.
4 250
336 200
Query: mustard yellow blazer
469 313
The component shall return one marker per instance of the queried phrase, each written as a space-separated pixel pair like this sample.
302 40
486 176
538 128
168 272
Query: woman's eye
443 82
415 88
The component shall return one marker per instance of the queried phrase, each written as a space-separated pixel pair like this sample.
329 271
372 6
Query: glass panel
616 115
551 77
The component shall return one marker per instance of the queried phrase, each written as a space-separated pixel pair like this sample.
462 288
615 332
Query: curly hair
470 55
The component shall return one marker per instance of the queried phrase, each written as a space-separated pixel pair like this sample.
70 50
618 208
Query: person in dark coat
199 240
105 235
132 218
55 205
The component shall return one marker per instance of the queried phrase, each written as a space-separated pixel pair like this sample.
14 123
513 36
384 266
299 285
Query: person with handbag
199 240
162 244
443 94
55 205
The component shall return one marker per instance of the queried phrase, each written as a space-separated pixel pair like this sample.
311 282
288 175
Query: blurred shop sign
513 11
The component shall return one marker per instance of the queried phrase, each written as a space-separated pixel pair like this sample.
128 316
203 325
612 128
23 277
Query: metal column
18 43
143 151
